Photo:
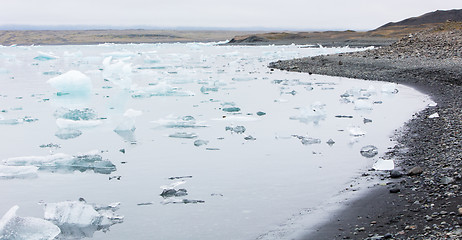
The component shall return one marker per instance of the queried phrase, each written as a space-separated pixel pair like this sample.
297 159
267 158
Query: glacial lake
236 149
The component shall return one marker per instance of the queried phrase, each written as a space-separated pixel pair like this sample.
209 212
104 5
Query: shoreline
429 202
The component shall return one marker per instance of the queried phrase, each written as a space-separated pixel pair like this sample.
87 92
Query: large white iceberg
13 227
72 82
78 219
118 72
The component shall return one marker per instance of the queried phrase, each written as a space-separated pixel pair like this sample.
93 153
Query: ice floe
13 227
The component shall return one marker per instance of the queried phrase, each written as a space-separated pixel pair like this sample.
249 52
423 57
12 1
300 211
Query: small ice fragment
231 109
68 133
343 116
356 132
260 113
366 120
330 142
390 88
118 72
199 142
250 138
50 145
76 114
309 141
207 90
166 193
128 122
369 151
314 113
237 129
363 105
8 172
382 165
434 115
77 124
43 56
183 201
183 135
433 104
72 82
180 122
13 227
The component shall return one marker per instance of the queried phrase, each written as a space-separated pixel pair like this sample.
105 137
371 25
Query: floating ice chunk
13 227
76 114
308 140
68 133
128 122
73 124
382 165
179 122
363 105
314 114
207 90
200 142
64 162
237 119
7 172
161 89
77 54
356 131
118 72
432 104
390 88
236 129
72 82
173 185
330 142
183 135
77 219
43 56
369 151
183 201
231 109
166 193
434 115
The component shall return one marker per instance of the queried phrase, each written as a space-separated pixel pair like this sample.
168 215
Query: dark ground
429 202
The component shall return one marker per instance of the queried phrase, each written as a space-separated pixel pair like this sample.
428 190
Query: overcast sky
283 14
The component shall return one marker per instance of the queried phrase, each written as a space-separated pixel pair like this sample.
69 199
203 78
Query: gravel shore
421 198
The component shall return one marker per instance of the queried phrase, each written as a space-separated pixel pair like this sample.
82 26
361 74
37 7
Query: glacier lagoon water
234 148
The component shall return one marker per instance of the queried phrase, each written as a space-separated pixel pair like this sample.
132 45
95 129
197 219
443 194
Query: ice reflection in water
258 145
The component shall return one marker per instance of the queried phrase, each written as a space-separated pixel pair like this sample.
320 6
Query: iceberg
78 219
9 172
72 82
118 72
13 227
434 115
64 163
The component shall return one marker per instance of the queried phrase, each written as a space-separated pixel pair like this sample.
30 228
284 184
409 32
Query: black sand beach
422 198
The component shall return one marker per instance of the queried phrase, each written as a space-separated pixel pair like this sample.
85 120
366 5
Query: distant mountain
439 16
